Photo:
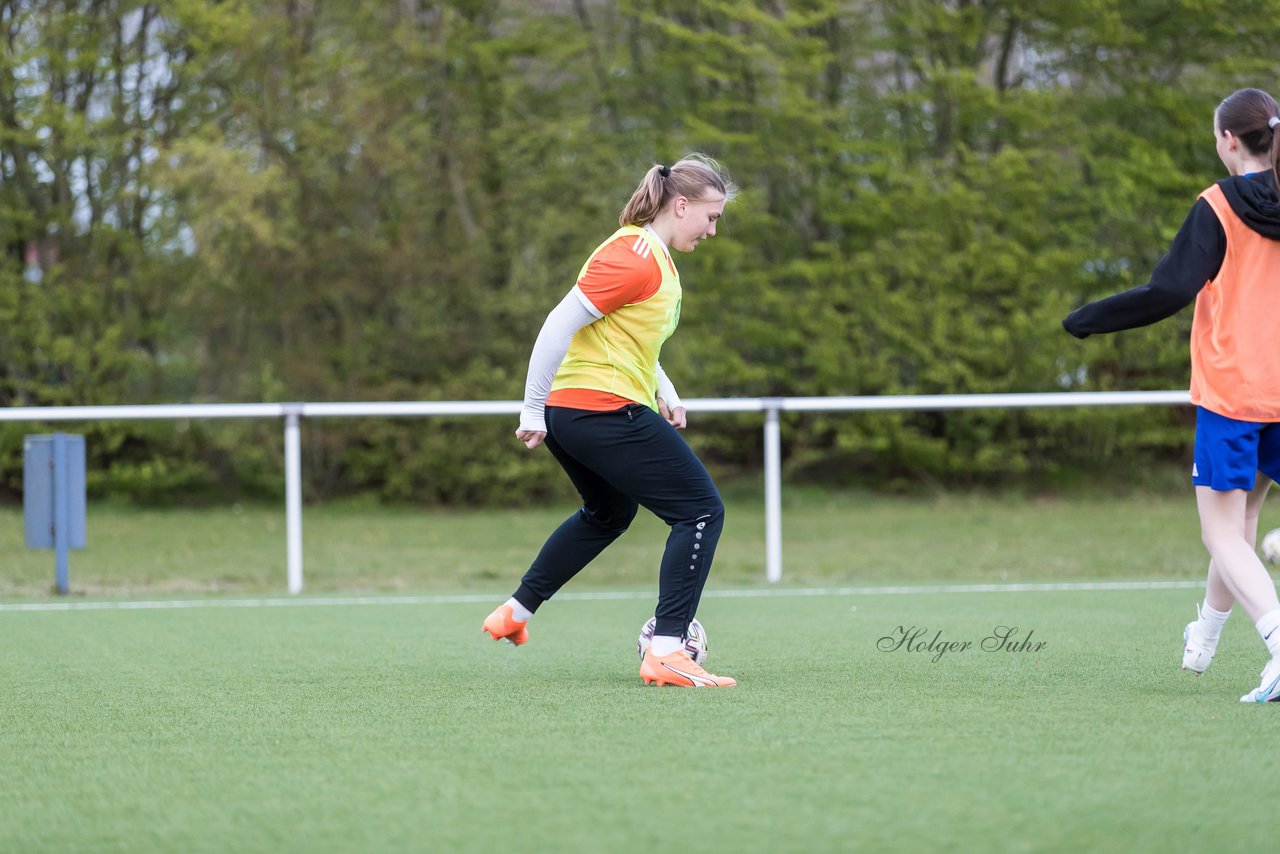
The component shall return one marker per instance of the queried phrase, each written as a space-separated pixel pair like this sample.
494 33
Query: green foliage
284 201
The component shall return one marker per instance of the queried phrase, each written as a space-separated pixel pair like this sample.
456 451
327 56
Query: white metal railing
772 407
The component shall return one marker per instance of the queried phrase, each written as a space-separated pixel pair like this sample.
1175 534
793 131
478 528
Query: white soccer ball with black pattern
1271 546
695 642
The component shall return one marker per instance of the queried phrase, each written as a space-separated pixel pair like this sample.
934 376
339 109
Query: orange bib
1235 339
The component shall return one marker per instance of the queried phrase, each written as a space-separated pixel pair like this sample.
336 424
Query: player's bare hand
677 418
531 438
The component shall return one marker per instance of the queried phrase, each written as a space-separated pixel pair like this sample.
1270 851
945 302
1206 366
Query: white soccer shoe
1269 690
1197 650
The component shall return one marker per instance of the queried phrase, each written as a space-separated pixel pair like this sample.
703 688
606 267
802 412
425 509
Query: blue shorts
1229 452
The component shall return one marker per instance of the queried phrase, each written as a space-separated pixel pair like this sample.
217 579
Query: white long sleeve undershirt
666 390
574 312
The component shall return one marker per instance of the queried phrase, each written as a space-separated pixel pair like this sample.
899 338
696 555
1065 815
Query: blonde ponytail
648 198
694 176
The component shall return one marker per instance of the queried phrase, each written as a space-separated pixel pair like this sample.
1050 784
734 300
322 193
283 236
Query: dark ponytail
1250 114
1274 124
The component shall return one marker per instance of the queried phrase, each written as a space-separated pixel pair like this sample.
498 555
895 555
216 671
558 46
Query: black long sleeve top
1193 260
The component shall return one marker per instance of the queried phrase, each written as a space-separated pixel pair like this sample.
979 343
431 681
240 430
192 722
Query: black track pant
620 460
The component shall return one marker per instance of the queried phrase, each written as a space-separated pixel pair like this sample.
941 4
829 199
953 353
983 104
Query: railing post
772 491
61 512
293 493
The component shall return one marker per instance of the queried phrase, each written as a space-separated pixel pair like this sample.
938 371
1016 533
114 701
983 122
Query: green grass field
828 538
315 725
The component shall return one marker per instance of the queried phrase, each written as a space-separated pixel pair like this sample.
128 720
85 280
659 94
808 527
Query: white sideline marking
470 598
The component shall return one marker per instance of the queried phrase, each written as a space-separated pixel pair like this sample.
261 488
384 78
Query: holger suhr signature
918 639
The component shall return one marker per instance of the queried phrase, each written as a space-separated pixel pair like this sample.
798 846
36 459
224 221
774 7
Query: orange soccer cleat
503 626
679 669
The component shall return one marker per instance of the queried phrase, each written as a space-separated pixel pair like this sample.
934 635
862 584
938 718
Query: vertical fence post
293 494
772 491
61 512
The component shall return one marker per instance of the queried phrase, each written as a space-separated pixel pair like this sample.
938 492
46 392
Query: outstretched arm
1193 260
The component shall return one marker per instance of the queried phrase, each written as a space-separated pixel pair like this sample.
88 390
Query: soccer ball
1271 546
695 642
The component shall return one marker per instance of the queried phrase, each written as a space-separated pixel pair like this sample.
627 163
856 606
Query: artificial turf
391 727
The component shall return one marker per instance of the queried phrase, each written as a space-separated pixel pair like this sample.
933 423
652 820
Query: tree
300 200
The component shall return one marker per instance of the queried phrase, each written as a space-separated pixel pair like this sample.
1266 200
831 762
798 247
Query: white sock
519 613
1212 621
1269 627
666 644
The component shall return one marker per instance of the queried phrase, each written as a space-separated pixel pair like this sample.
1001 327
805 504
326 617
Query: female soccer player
599 399
1226 257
